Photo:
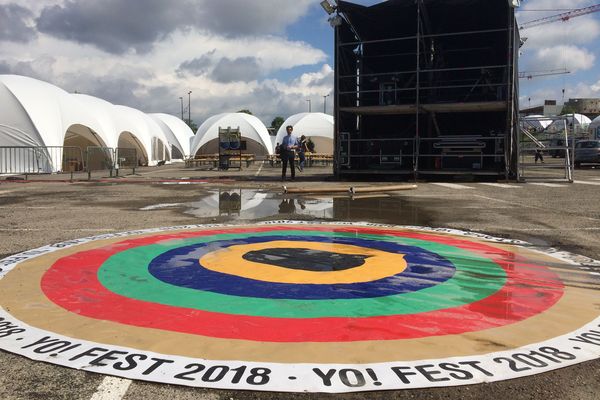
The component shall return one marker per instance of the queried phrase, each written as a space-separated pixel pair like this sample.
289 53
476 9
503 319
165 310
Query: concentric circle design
425 269
310 294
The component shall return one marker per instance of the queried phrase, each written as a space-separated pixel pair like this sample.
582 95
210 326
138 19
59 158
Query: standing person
277 154
539 156
302 149
278 150
289 144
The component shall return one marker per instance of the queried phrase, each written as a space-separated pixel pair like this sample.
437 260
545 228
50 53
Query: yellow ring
378 265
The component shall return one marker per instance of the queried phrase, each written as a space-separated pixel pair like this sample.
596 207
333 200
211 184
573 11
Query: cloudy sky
268 56
572 45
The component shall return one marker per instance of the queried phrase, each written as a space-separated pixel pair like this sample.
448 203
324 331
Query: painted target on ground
290 306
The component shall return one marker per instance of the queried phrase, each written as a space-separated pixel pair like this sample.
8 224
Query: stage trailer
426 87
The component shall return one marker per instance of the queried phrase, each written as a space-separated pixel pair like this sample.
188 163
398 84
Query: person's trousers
287 157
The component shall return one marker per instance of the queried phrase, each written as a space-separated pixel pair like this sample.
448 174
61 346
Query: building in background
588 107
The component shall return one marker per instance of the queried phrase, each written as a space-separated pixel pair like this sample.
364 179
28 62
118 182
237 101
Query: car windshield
589 145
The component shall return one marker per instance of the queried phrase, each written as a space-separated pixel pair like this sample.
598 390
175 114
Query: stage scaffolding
426 87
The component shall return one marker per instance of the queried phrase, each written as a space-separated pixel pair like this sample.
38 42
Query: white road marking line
501 185
162 170
259 169
453 186
545 184
588 183
111 388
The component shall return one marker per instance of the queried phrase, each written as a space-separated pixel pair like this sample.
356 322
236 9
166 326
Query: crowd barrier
37 160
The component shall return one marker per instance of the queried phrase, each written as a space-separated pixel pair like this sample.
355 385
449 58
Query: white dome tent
578 122
255 135
104 113
316 126
594 128
177 133
46 129
144 134
536 122
38 114
126 127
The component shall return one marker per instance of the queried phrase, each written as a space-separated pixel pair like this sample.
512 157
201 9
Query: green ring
126 274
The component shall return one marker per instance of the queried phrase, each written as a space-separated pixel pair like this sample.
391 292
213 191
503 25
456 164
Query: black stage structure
426 87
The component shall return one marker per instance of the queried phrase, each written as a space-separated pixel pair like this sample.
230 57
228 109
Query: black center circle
306 259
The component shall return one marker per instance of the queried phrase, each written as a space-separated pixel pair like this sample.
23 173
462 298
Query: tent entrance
79 137
129 140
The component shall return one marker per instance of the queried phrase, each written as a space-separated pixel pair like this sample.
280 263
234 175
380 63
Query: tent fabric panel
176 131
16 128
51 109
309 125
250 126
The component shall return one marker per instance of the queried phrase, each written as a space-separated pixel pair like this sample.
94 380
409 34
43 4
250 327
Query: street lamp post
181 98
325 103
189 108
309 105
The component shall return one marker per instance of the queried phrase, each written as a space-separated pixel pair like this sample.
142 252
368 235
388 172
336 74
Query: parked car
587 151
559 142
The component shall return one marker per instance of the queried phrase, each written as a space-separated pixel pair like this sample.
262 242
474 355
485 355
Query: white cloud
317 83
578 90
271 52
151 82
552 5
570 57
581 30
537 97
584 90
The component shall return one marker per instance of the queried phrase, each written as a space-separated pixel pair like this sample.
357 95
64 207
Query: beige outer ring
21 296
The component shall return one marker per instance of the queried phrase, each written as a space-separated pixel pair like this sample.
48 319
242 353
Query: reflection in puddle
255 204
252 204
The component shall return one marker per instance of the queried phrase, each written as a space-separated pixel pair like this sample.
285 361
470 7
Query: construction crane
534 74
561 17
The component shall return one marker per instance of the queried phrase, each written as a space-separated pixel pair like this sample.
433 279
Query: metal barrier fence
33 160
40 159
546 155
125 157
99 159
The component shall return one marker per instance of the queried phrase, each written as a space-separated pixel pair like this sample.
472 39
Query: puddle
159 206
183 183
247 204
252 204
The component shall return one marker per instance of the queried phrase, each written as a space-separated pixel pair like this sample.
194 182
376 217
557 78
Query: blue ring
181 267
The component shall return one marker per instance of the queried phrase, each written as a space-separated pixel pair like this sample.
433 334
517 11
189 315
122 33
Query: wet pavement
566 217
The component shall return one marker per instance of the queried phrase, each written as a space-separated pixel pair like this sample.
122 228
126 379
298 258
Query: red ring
72 284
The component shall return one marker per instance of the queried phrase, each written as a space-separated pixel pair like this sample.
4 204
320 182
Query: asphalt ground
49 209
